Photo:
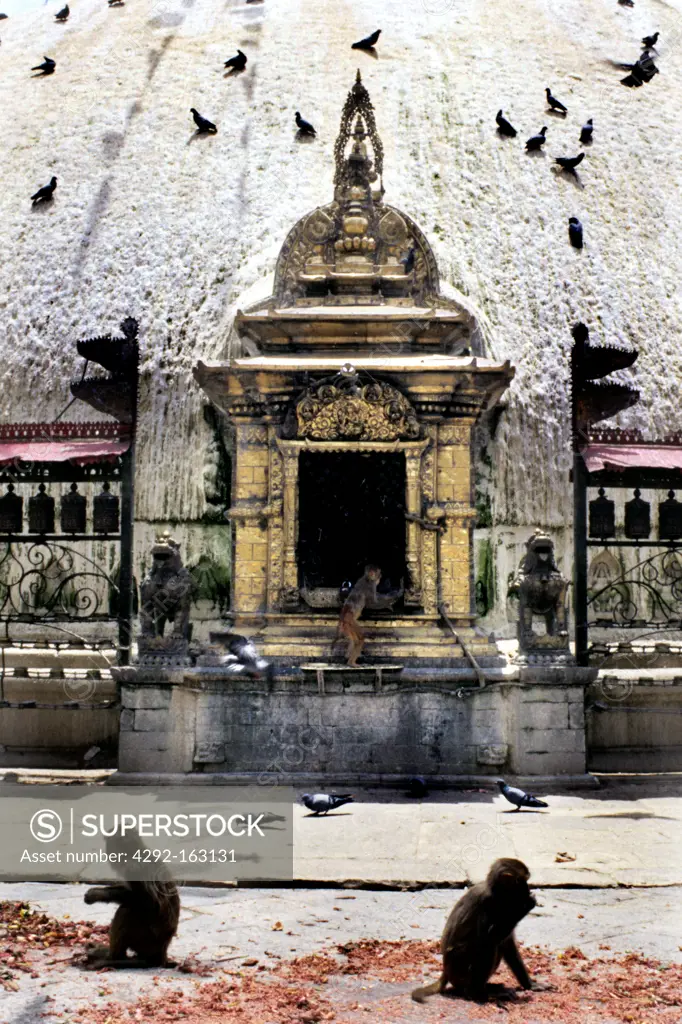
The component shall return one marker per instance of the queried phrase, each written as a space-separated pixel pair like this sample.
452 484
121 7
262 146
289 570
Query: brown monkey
363 595
480 932
145 922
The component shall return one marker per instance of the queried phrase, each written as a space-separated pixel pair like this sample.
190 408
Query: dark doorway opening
351 512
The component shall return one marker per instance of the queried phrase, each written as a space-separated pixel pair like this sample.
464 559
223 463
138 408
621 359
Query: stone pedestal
433 723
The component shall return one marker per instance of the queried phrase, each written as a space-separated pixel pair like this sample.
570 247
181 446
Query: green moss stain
485 578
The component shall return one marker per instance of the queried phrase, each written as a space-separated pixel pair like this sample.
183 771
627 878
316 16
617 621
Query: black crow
503 126
45 193
569 163
575 232
63 14
47 67
202 124
554 103
408 259
626 3
304 127
2 17
537 141
238 62
650 41
368 43
586 132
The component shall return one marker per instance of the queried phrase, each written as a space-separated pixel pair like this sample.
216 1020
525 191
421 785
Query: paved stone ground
229 925
623 890
627 832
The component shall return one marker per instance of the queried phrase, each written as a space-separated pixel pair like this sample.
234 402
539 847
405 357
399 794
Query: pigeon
650 41
417 788
322 803
47 67
63 14
504 127
641 71
243 659
304 127
537 141
575 232
237 63
518 797
586 132
202 124
368 43
45 193
626 3
408 260
554 103
569 163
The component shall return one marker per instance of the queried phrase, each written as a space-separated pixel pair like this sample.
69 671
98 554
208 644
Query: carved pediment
373 412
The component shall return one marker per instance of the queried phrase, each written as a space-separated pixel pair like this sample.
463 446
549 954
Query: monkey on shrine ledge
363 595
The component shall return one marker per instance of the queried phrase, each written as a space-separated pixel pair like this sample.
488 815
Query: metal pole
580 557
125 576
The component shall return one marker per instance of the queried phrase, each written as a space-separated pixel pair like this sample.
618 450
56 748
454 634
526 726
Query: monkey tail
420 995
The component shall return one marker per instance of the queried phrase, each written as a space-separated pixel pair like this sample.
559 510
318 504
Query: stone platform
437 722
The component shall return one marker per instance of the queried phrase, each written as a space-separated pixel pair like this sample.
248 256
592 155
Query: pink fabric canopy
631 456
81 452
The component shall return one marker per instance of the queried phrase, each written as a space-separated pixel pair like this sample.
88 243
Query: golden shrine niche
353 426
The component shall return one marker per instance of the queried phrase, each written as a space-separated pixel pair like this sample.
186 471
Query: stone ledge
327 780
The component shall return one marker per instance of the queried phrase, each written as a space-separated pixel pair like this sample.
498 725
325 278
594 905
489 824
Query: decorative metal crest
348 411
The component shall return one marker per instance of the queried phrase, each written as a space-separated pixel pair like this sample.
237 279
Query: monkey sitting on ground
479 933
363 595
145 922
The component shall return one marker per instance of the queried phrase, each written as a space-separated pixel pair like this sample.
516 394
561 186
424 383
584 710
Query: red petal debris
364 980
24 932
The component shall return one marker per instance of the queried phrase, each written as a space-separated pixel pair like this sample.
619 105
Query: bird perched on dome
304 127
575 232
204 126
504 127
368 43
63 14
44 194
47 67
536 142
554 103
237 63
569 163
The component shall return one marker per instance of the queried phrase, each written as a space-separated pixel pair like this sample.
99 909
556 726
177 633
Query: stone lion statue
541 589
166 592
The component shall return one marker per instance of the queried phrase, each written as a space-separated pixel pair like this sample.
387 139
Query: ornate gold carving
275 524
377 412
358 105
455 433
290 594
